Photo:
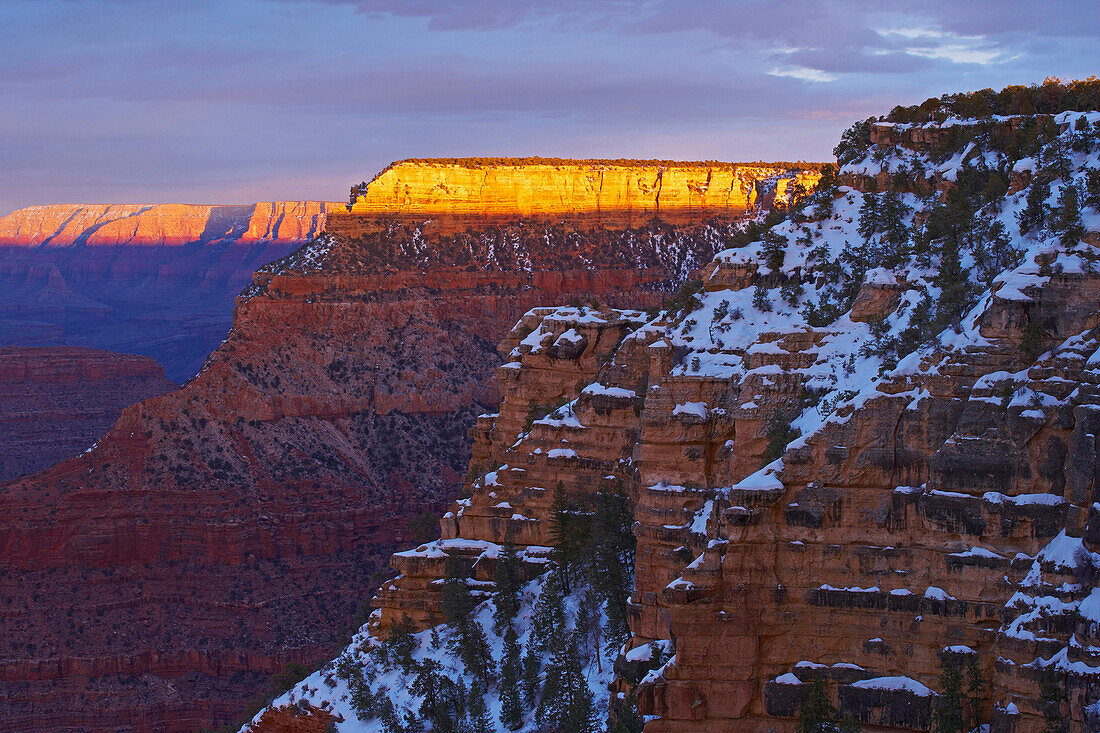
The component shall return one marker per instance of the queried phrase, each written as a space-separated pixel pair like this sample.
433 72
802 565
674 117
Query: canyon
843 478
55 402
224 530
153 279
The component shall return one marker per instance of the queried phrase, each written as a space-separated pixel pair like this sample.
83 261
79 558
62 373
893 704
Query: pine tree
548 624
511 710
479 713
532 673
868 216
457 601
507 579
892 212
975 693
1034 214
443 701
1068 223
954 284
400 643
569 529
625 717
1051 696
472 647
1092 188
949 709
760 300
817 714
773 250
567 702
613 561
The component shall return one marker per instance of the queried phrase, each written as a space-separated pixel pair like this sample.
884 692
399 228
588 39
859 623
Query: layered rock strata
613 193
936 511
223 530
57 402
157 280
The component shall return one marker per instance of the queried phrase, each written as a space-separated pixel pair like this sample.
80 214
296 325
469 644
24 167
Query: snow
1066 552
787 679
695 409
561 453
906 684
326 690
938 594
598 389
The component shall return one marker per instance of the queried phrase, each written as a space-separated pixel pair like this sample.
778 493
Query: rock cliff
613 193
862 453
157 280
219 532
55 402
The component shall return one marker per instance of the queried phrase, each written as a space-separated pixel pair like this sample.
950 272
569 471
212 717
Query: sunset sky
205 101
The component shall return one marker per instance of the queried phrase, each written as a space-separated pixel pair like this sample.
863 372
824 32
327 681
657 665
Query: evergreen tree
817 714
760 299
825 192
992 249
507 577
548 624
613 560
948 714
479 713
532 673
472 647
1092 188
567 702
1034 214
457 601
869 216
975 692
1051 696
569 528
625 717
773 250
954 284
892 212
443 700
1068 223
511 706
400 643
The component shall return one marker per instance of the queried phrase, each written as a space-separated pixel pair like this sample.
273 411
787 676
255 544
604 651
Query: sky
234 101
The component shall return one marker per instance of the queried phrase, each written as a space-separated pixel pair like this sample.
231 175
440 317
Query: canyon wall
157 280
55 402
866 497
597 192
221 531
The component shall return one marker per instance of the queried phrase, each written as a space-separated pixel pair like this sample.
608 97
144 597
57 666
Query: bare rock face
157 280
612 193
223 530
55 402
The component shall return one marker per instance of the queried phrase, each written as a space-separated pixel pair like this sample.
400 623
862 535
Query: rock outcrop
611 193
840 473
223 530
157 280
55 402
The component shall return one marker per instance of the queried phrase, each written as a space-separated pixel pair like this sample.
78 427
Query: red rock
55 402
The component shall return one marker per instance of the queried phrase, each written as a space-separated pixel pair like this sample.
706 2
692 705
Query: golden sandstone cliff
60 225
613 193
223 530
854 458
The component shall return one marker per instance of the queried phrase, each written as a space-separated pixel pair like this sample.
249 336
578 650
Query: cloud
804 73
